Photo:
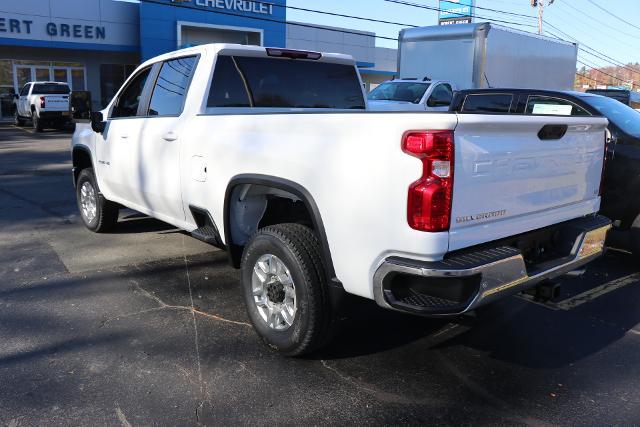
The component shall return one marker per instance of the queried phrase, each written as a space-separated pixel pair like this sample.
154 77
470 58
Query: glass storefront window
23 76
6 73
112 76
42 74
60 75
30 62
77 79
67 64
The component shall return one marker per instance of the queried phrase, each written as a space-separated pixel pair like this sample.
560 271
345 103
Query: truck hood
394 106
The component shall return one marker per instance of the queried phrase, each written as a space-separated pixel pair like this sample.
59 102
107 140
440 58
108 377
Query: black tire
298 248
17 120
106 212
634 237
38 126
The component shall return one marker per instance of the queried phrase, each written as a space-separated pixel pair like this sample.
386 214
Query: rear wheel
37 122
98 214
285 289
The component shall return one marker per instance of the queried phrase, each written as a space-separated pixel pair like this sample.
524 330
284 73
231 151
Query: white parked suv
44 103
272 155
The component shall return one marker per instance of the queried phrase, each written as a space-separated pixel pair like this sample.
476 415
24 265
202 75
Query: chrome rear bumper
468 280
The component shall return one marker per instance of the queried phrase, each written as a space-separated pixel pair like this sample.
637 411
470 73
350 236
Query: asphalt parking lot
147 326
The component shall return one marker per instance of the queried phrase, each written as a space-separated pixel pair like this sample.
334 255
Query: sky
596 31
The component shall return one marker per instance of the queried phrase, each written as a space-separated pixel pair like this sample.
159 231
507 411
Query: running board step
207 234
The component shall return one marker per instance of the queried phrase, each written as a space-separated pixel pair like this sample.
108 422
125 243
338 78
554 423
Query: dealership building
94 45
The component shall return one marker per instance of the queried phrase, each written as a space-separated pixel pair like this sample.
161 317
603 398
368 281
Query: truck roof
246 50
463 31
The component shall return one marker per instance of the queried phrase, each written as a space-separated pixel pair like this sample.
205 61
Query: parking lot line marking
599 291
26 130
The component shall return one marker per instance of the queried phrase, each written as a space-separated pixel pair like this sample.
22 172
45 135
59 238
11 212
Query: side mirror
97 122
16 96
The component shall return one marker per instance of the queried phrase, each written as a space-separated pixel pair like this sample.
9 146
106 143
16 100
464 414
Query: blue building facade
93 45
165 24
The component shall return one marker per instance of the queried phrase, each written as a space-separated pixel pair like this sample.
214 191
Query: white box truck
484 55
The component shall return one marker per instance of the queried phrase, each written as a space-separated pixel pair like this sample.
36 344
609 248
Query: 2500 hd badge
478 217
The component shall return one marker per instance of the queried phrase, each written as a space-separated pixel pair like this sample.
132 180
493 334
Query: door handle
552 132
170 136
124 136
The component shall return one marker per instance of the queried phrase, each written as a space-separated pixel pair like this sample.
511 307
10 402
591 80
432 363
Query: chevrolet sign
246 6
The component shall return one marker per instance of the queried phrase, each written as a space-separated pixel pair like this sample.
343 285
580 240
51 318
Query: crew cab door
23 101
119 162
514 173
160 140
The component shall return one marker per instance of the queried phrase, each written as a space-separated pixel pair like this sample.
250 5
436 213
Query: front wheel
17 120
285 289
98 214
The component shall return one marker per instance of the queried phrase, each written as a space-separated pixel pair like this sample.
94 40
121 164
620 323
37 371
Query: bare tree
540 5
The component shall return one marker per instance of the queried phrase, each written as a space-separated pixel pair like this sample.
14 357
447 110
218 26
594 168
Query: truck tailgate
56 102
512 177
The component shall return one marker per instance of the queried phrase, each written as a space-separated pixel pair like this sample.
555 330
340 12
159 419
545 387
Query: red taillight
429 199
42 102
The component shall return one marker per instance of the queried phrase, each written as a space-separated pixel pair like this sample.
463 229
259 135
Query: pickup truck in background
44 103
411 95
272 155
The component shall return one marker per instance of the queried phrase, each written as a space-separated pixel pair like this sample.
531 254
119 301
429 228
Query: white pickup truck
44 103
272 155
412 95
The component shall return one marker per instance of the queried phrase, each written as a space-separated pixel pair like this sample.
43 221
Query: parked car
621 184
272 155
44 103
627 97
621 198
411 95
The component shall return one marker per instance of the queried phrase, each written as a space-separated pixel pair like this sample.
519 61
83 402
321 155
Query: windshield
50 89
623 116
399 91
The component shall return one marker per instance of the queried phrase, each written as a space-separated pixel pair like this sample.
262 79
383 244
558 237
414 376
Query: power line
568 5
612 60
602 72
422 6
609 13
344 31
279 21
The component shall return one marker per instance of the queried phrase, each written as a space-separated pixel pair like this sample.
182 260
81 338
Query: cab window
549 106
25 90
441 96
171 87
498 103
129 99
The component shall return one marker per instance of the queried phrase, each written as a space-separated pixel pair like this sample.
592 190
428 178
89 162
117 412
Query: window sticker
553 110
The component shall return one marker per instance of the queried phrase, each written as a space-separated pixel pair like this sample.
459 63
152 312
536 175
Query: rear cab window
498 103
550 106
50 89
265 82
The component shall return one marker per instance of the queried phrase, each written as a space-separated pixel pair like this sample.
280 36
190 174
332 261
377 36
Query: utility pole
540 5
